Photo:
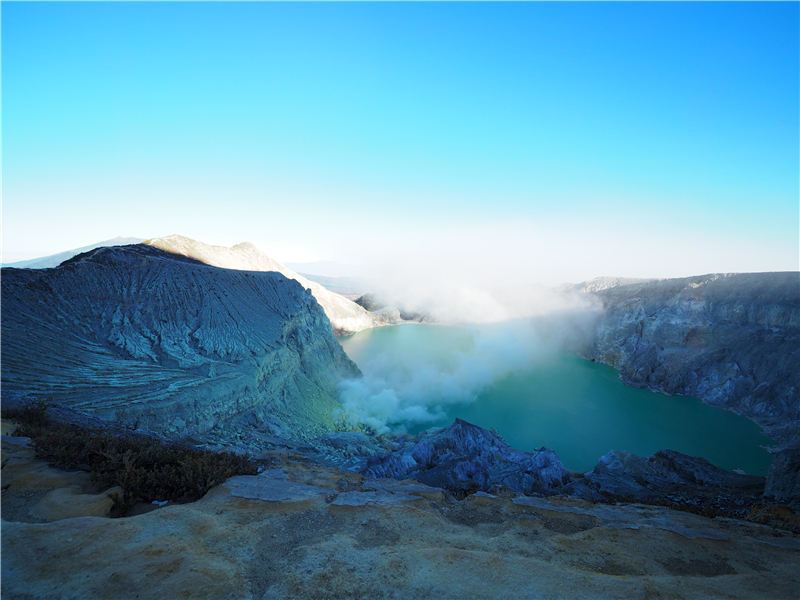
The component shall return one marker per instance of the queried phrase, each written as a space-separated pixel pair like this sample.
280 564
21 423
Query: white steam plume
483 278
404 389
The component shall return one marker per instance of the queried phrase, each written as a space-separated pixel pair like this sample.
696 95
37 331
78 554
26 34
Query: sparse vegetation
147 469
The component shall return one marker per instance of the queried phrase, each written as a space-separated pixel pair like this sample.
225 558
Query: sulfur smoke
484 281
404 389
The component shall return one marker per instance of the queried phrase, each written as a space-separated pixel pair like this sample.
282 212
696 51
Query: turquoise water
552 398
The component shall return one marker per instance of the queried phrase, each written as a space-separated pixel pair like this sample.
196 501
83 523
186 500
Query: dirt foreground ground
299 530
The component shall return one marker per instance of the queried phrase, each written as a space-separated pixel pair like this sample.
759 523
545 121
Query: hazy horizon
544 143
365 271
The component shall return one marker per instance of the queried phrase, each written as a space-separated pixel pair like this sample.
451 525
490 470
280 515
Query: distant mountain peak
245 246
345 316
47 262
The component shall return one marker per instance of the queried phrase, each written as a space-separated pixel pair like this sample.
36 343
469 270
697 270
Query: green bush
147 469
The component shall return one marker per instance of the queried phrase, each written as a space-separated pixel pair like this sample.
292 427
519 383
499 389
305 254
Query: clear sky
562 140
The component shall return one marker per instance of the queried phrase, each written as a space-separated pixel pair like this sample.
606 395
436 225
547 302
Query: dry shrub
147 469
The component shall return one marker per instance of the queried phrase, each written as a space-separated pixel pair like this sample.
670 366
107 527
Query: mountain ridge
345 316
47 262
165 342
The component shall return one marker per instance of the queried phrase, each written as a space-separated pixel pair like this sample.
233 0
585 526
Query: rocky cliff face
732 340
345 315
166 343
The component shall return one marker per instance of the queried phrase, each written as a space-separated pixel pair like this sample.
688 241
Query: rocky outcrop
783 479
669 477
166 343
466 459
345 315
732 340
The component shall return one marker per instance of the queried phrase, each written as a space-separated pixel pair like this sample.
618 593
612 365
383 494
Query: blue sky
566 140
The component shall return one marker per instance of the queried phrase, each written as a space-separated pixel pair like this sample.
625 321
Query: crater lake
504 377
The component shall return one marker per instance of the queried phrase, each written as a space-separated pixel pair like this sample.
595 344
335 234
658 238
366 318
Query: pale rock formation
72 502
388 315
345 315
36 493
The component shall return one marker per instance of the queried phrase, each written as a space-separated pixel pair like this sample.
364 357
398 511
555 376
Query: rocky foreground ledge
301 530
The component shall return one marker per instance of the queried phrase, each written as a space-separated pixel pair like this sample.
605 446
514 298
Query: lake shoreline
583 369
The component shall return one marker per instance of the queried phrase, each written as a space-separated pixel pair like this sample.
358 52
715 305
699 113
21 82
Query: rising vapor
402 389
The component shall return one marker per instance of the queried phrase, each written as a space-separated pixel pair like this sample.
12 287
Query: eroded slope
166 343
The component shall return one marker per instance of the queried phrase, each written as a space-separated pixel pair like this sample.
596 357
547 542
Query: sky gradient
562 140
